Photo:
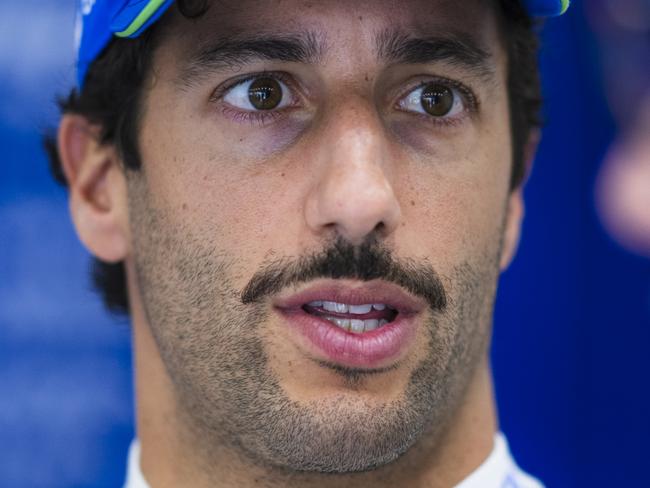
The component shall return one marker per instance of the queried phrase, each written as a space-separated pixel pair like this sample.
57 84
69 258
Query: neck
171 455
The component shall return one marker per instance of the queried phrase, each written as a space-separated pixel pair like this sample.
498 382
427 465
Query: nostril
356 203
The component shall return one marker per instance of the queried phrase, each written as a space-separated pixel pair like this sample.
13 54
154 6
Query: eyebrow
236 51
392 46
456 48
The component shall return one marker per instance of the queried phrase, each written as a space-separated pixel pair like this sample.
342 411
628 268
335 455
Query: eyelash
252 118
262 117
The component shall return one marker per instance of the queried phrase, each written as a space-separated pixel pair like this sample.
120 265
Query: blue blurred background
572 327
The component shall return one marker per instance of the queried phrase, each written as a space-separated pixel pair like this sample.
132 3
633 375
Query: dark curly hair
116 106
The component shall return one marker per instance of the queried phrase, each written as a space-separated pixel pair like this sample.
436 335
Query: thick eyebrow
235 51
456 49
392 46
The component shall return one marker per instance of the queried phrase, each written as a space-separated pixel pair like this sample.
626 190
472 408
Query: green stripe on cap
565 6
142 18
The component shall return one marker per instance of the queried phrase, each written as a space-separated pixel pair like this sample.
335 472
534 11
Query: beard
209 334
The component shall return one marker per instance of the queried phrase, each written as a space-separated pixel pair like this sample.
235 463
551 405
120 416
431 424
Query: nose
353 193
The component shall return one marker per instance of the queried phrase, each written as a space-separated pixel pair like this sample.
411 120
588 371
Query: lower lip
373 349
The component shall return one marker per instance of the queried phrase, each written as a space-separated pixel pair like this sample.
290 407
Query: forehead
337 25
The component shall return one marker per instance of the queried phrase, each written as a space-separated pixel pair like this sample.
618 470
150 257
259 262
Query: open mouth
354 324
356 319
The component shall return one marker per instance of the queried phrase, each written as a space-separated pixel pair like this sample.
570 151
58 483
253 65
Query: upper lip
353 293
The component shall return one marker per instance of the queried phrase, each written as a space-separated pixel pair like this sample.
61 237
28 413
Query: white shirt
499 470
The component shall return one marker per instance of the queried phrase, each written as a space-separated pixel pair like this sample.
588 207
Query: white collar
134 476
499 470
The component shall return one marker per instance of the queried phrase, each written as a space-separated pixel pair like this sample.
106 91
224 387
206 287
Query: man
305 207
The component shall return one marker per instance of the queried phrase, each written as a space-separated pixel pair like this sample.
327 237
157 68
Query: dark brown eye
437 99
265 93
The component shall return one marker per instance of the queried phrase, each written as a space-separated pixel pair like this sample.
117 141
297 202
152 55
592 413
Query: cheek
455 189
208 180
454 206
250 214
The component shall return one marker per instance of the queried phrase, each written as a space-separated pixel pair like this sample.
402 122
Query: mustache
368 261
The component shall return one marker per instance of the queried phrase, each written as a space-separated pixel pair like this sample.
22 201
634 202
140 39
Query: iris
265 93
437 99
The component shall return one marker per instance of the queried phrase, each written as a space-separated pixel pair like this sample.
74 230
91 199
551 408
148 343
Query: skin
226 394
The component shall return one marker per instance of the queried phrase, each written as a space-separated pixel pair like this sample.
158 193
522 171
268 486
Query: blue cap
99 20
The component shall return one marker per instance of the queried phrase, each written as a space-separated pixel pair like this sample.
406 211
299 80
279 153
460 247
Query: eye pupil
437 99
265 93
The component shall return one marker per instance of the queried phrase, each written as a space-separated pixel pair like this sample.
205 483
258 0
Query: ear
512 232
98 197
516 208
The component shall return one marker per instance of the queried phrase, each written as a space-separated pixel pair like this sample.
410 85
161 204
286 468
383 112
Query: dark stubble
208 333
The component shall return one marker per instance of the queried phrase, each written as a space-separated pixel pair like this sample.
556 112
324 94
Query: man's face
296 153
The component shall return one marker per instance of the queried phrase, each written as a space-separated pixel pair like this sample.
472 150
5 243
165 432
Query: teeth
329 306
360 309
342 323
345 308
357 326
369 325
336 307
342 307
